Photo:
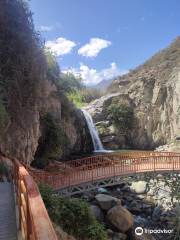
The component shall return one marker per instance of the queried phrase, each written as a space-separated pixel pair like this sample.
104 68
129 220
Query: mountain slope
152 91
104 84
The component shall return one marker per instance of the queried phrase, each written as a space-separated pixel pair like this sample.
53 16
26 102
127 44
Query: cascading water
98 147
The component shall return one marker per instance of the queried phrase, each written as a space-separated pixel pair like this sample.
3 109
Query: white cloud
91 76
60 46
93 48
44 28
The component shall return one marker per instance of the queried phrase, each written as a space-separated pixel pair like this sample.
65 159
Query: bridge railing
34 222
100 167
106 159
93 160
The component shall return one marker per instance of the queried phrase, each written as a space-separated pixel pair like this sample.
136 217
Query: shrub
76 98
22 62
46 193
53 70
96 232
90 94
52 141
76 91
122 116
70 83
76 219
73 215
51 201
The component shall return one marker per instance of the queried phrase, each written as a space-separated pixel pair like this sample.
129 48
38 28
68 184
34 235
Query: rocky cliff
30 91
21 137
152 91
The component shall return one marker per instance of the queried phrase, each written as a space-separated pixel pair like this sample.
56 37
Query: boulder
97 212
125 188
157 213
135 207
139 187
120 218
106 202
110 233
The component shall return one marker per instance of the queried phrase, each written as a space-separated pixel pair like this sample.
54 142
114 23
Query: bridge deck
8 229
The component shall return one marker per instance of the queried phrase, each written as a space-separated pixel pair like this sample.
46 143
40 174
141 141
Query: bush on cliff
73 215
76 98
22 61
76 91
52 141
121 116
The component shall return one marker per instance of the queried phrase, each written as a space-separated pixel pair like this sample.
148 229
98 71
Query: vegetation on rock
22 62
52 141
73 215
76 91
121 116
22 74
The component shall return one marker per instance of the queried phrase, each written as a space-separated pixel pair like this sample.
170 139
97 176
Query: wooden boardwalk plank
8 229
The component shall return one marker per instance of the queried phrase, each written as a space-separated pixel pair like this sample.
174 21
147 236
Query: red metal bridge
75 176
87 172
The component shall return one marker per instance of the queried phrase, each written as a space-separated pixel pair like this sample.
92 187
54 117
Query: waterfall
94 133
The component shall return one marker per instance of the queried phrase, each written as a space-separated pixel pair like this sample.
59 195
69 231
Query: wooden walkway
8 229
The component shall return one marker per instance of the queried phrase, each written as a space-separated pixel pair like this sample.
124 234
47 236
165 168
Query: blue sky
104 38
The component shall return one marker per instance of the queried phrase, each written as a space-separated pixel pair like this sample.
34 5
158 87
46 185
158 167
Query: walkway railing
34 222
104 166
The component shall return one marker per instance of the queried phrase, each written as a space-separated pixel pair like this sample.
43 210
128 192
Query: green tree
53 71
121 115
69 82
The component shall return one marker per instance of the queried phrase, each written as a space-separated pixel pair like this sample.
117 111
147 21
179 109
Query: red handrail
34 221
110 165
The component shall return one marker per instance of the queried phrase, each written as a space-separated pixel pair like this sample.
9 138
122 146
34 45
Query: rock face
121 218
24 130
170 147
152 90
